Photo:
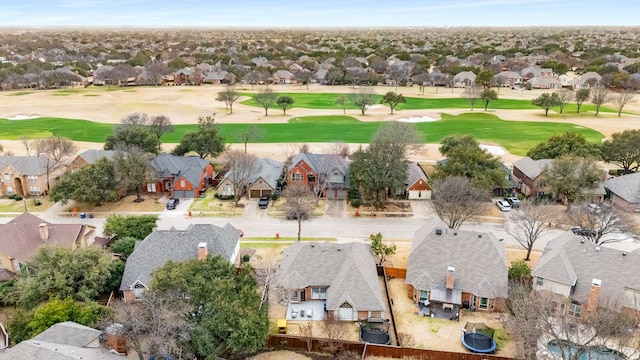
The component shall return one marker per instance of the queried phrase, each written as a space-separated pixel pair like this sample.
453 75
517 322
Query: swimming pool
584 353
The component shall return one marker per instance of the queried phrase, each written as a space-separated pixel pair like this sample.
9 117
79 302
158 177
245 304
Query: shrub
223 197
37 202
245 258
17 198
519 271
356 203
11 196
275 196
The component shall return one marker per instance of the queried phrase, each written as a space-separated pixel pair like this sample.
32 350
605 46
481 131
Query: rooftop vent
501 240
581 241
438 231
624 254
313 245
598 248
339 249
596 282
479 235
455 233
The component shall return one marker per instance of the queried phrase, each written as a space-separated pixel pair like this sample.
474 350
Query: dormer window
336 177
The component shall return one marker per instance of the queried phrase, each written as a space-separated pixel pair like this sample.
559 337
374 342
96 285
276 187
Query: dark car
582 231
293 215
172 203
263 203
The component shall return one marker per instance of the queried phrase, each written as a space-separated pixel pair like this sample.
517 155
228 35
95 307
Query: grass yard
516 136
327 101
10 205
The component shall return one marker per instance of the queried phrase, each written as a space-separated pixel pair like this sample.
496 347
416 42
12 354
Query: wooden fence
291 342
396 272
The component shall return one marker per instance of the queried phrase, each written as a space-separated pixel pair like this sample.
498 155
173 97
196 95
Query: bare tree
565 96
536 313
421 79
266 97
343 102
527 224
457 201
623 98
595 222
156 70
157 324
363 98
304 77
398 72
300 203
240 167
249 134
136 118
334 330
599 96
28 143
472 94
229 96
160 125
57 150
341 149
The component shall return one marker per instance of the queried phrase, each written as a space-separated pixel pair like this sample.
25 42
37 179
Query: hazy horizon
289 14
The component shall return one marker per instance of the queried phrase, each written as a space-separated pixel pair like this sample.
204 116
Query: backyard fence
291 342
396 272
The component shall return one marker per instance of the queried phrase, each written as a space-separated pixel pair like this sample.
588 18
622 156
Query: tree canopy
546 101
392 99
380 249
363 98
569 143
227 312
133 133
623 149
265 97
571 175
284 102
123 226
94 183
206 141
488 96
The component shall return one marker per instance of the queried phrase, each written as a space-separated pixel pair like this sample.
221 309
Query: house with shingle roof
196 242
21 237
26 175
542 82
62 341
625 191
464 79
451 268
183 76
283 77
262 182
219 77
417 185
182 176
587 276
326 173
90 157
586 80
342 276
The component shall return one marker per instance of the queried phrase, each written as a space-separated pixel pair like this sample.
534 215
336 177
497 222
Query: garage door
419 194
182 194
255 194
345 312
266 192
336 194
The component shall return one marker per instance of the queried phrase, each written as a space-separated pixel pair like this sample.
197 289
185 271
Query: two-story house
181 176
27 175
586 276
321 173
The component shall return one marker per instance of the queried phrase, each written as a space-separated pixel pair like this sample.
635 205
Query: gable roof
415 173
532 168
349 271
584 262
171 166
625 186
62 341
91 156
177 245
20 237
270 171
464 76
478 258
25 165
322 164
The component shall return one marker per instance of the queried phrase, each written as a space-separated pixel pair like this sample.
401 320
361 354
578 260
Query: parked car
172 203
583 231
503 205
514 202
594 208
263 203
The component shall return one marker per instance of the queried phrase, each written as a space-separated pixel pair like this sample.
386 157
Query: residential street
256 223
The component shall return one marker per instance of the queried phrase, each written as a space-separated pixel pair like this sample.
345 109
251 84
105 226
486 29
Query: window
312 178
34 190
575 309
424 295
138 290
182 183
376 314
539 281
9 190
318 293
32 177
6 178
294 296
151 187
226 190
336 177
297 177
484 303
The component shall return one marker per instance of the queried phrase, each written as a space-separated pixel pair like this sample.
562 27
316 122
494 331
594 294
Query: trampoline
478 338
375 336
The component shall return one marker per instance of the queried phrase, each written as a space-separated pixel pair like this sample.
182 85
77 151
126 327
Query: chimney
450 277
203 251
43 228
594 293
115 339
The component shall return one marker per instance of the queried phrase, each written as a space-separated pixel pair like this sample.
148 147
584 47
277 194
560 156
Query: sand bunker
22 117
418 119
495 150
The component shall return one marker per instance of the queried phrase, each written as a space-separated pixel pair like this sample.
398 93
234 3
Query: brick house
337 278
625 191
283 77
26 175
586 276
417 186
89 157
445 270
263 182
196 242
326 173
181 176
21 237
183 76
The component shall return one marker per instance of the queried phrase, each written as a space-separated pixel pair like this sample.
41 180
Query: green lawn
516 136
327 101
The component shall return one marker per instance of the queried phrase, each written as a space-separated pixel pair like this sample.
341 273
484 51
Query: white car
503 205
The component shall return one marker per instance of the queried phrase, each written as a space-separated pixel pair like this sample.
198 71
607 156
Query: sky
316 13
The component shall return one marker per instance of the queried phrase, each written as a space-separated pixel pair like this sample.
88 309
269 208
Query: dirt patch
279 355
126 204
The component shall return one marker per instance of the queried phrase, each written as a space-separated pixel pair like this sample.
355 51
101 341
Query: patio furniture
310 313
301 313
294 313
447 306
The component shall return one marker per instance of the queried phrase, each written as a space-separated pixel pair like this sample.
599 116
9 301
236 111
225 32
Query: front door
302 295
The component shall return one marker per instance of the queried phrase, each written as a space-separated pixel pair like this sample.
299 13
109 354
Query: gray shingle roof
91 156
616 270
177 245
415 173
269 170
532 168
25 165
478 258
349 270
189 167
323 164
69 333
626 187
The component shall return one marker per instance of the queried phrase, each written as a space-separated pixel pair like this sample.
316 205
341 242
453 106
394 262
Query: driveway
336 208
